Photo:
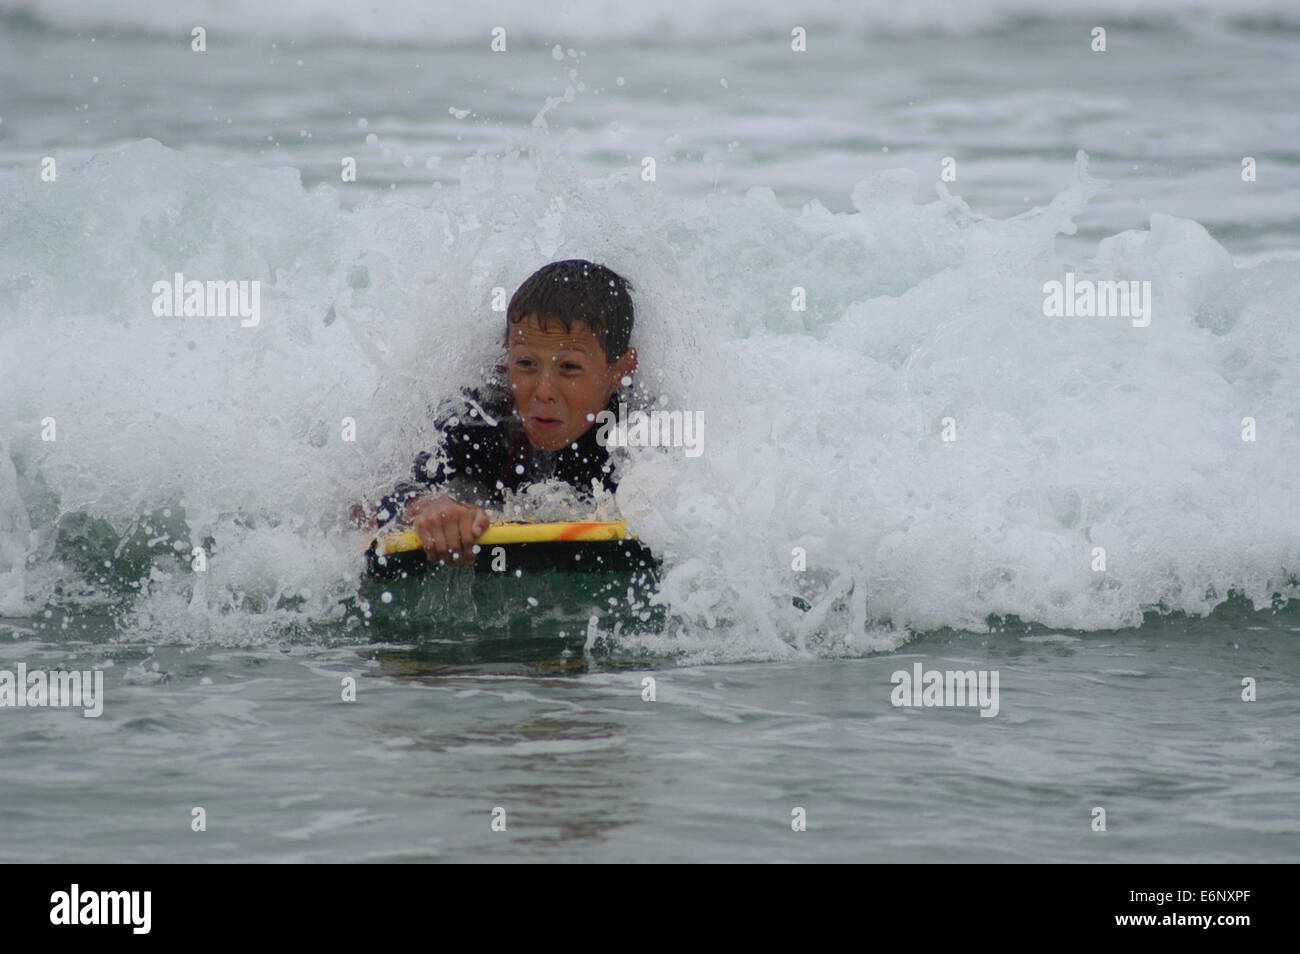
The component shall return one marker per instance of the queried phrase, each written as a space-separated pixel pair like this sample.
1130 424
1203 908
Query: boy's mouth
546 423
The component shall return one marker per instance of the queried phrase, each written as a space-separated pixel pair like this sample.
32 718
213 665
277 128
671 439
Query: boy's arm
439 502
467 468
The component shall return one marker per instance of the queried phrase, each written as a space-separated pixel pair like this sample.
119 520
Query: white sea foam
828 433
442 21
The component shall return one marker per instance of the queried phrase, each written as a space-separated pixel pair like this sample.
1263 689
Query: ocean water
917 467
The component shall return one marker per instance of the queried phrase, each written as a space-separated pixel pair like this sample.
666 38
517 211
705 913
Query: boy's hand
447 528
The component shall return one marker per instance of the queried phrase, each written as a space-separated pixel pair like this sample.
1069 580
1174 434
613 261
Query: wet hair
577 290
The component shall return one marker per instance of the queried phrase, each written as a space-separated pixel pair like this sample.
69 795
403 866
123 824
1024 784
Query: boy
567 333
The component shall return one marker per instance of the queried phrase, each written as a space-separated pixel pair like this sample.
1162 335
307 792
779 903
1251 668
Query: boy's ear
625 366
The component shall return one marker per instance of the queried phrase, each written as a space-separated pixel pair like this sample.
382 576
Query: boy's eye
571 366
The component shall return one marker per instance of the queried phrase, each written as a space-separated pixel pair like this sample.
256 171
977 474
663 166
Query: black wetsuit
486 452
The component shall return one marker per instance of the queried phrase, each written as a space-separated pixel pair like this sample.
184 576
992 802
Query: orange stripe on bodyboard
575 531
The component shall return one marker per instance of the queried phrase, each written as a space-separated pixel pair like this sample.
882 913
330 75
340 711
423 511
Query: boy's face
559 378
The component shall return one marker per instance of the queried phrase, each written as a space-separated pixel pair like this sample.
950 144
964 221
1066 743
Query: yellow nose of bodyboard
404 541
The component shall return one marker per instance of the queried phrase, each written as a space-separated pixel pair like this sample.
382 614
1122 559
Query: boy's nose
545 385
